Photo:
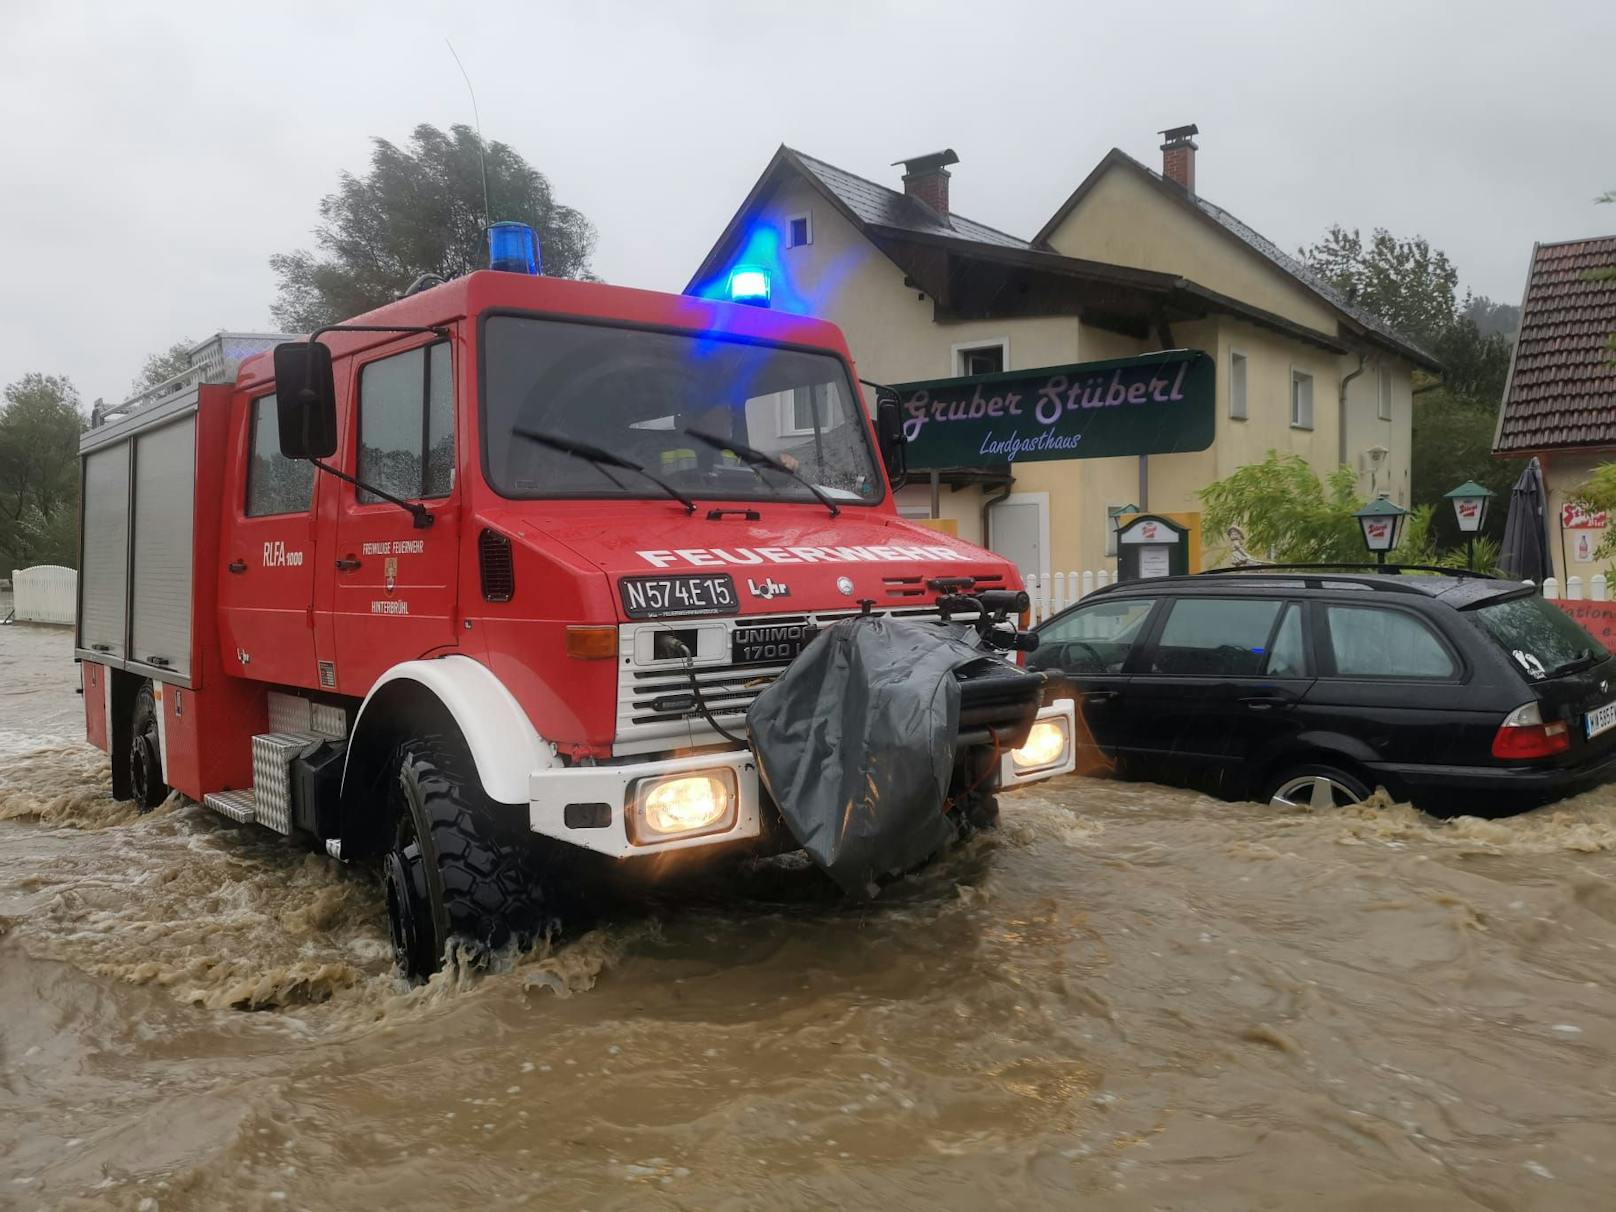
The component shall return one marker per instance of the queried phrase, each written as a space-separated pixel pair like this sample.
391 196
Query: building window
1237 387
1385 393
983 358
799 230
406 425
805 410
1301 400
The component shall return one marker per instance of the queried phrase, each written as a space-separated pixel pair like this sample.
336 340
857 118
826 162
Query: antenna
482 158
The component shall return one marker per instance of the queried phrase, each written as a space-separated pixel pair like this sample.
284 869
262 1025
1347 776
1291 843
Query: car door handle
1265 702
1099 696
237 566
348 563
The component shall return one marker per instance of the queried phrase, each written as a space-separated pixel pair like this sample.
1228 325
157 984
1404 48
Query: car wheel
145 754
459 868
1316 788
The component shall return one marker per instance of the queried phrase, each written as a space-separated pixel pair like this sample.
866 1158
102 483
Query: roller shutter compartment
104 579
165 494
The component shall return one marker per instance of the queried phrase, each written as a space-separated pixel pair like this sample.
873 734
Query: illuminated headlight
682 805
1046 746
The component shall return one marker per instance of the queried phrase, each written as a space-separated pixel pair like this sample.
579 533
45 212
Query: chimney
1178 156
925 178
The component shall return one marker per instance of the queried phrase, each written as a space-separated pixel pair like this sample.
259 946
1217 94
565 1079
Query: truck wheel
458 868
145 752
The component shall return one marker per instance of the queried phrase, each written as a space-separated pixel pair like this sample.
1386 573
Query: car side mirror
889 434
305 400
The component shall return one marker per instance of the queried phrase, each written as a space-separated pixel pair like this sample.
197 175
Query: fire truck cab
515 594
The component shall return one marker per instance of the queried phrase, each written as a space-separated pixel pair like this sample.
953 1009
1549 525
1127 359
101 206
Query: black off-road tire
145 753
462 867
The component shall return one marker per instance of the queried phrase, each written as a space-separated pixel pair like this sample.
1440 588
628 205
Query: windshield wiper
1582 660
757 458
602 459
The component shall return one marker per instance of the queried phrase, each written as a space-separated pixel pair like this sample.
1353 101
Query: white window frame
1297 377
1240 406
957 352
1383 392
807 218
788 414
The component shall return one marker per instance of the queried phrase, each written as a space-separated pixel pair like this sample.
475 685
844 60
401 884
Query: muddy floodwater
1126 998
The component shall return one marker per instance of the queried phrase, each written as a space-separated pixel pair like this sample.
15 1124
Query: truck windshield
635 392
1540 638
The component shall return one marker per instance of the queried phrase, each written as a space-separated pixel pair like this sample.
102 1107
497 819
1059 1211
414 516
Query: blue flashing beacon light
749 284
513 248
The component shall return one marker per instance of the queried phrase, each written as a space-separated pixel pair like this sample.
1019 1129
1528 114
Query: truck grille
655 708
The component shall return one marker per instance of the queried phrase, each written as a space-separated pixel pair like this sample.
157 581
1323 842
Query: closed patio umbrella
1525 550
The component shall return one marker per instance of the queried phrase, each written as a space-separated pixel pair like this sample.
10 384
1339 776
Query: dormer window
799 230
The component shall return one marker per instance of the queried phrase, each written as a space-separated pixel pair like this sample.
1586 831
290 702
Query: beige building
1132 262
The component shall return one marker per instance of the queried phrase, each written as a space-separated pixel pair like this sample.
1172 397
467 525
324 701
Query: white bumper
584 787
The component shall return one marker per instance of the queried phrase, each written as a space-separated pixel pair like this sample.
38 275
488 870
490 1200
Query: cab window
406 424
1093 639
1218 637
275 484
1371 642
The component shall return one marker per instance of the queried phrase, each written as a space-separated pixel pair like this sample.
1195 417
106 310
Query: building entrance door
1018 529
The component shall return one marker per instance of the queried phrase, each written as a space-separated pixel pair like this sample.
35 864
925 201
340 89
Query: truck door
266 584
395 586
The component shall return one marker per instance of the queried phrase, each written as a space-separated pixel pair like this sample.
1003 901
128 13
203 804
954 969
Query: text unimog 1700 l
521 606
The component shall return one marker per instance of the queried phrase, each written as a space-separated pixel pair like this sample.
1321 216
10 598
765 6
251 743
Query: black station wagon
1311 687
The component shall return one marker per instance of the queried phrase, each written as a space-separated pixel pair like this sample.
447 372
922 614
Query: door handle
1099 696
1264 702
237 566
348 563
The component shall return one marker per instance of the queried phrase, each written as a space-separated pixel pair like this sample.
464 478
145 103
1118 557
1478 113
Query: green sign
1159 403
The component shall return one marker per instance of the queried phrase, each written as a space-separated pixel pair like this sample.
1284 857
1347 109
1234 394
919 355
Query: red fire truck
490 577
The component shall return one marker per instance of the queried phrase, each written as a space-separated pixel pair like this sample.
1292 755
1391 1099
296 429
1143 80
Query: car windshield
634 393
1540 638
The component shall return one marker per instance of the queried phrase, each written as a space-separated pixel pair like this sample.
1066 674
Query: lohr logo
276 556
770 588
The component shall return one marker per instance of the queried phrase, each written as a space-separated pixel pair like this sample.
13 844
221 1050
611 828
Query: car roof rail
1379 569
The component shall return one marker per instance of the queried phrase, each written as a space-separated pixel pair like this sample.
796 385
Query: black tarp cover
855 741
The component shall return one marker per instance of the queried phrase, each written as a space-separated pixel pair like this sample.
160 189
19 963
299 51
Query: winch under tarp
856 742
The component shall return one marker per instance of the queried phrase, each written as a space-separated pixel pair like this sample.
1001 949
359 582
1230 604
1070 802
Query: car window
1092 639
406 425
1221 637
1542 639
1287 656
275 484
1369 642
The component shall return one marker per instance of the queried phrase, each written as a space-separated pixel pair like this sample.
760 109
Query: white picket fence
1598 589
46 593
1053 593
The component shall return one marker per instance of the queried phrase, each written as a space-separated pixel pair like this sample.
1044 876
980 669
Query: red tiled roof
1562 383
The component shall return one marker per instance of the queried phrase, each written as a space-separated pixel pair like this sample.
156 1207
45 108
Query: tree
161 367
419 210
1407 283
1453 442
1290 517
40 425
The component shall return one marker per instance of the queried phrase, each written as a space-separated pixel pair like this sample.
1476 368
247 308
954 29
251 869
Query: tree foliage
40 425
419 210
1453 441
1289 516
161 367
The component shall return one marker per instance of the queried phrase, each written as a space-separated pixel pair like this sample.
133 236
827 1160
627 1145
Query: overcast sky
152 157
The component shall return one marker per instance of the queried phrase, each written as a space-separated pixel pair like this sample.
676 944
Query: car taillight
1523 734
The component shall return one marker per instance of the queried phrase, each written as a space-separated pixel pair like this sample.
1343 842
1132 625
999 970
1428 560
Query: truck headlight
682 805
1046 745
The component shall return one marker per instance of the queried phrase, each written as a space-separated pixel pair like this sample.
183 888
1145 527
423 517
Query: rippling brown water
1128 998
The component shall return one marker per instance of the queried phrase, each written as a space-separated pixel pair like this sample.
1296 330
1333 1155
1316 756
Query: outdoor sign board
1161 403
1575 517
1469 514
1378 533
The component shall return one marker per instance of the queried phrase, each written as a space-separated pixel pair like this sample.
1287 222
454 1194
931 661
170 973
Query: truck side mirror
889 433
305 400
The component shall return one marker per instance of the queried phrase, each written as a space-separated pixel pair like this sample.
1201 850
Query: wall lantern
1382 524
1470 511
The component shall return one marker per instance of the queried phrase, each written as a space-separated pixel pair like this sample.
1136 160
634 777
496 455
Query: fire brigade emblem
390 579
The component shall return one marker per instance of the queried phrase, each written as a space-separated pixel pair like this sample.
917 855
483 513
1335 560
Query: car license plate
1600 719
674 597
769 644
